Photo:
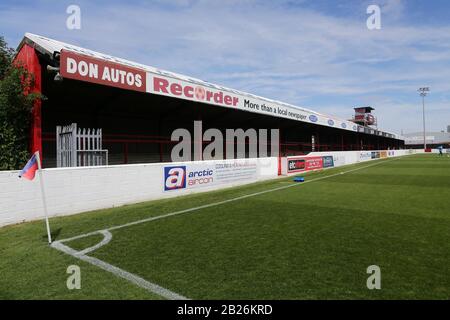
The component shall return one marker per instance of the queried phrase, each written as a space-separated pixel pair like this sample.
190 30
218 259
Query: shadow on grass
54 234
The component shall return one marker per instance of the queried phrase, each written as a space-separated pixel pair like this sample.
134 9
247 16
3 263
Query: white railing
77 147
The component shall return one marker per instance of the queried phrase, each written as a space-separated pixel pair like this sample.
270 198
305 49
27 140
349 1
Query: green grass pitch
310 241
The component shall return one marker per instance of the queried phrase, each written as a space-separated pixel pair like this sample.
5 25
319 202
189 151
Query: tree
16 103
6 55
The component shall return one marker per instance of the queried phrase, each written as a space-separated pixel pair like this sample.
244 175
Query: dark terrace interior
137 126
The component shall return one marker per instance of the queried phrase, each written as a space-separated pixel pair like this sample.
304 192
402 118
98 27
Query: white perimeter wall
74 190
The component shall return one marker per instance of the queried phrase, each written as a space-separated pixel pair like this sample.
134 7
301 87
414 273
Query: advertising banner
104 70
197 175
365 155
167 86
299 164
328 161
81 67
383 154
295 165
90 66
375 154
313 163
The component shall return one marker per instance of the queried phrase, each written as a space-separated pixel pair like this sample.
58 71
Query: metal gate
77 147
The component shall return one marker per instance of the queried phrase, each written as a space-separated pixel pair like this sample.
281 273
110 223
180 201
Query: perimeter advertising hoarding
197 175
328 161
365 155
296 165
375 154
383 154
299 164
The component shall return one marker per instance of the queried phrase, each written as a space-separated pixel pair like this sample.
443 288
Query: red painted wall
29 59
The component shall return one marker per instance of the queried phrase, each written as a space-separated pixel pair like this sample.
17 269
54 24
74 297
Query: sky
317 54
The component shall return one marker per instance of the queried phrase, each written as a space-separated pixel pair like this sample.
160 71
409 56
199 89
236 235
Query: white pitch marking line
149 286
152 287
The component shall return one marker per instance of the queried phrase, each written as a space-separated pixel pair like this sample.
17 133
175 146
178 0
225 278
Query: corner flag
28 172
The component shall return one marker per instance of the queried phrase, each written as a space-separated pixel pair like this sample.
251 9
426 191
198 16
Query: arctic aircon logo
174 178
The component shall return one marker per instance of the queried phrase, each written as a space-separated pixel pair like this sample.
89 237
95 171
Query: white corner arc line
107 236
149 286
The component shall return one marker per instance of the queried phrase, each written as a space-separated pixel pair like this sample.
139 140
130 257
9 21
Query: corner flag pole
44 201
